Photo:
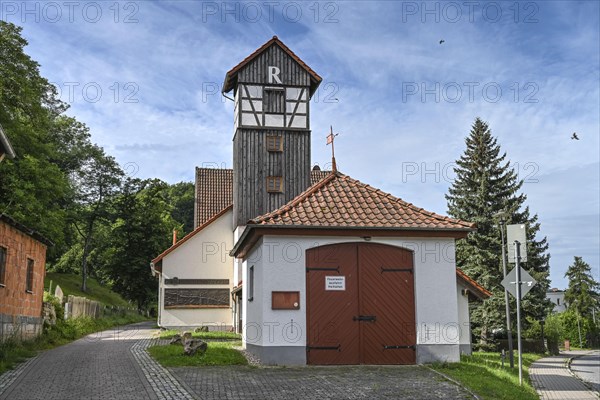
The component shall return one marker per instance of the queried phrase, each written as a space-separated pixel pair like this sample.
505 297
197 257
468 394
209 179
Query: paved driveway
306 383
114 365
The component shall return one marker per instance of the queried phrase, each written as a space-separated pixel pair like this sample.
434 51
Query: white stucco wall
252 310
279 264
463 318
204 256
558 299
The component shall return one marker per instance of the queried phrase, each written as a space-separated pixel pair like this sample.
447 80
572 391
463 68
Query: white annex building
557 297
311 266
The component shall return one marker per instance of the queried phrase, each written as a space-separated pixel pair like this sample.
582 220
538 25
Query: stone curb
163 383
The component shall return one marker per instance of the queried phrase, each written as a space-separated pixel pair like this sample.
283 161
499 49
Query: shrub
534 331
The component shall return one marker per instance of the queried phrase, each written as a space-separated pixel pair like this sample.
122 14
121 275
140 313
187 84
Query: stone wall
20 327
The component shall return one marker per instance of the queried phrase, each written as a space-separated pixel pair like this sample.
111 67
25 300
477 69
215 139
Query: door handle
368 318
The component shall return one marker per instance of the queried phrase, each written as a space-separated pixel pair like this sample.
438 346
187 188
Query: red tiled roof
230 76
214 191
340 201
191 234
475 287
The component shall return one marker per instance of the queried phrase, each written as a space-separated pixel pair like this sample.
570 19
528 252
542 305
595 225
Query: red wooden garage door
360 304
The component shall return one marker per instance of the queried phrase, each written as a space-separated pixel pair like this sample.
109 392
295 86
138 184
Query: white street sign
527 282
335 283
516 232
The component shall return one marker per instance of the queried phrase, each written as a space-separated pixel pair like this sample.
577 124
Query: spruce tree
486 183
582 294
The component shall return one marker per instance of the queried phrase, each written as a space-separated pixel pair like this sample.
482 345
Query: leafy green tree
141 231
486 184
181 197
35 188
97 181
32 187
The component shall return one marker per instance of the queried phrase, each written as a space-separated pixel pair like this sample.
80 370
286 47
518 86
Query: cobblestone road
306 383
114 365
108 365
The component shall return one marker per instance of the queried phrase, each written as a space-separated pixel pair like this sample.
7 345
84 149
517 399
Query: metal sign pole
506 302
518 283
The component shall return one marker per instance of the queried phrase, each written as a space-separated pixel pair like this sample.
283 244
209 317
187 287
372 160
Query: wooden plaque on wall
196 298
285 300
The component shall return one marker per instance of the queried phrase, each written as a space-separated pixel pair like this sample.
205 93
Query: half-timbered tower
334 273
271 145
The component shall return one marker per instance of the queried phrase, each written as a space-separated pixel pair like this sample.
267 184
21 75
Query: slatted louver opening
274 184
274 100
274 143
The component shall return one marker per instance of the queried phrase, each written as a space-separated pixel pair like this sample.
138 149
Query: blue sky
145 77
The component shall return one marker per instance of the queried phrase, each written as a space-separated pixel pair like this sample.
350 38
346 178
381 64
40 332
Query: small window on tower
274 100
274 143
274 184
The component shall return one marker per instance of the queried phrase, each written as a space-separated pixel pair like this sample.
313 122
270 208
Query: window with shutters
274 184
29 283
274 143
3 253
274 100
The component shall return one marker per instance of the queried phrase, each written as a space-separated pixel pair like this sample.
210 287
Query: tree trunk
86 250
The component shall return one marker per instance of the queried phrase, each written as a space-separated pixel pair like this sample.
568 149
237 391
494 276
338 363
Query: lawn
483 374
71 285
217 353
212 335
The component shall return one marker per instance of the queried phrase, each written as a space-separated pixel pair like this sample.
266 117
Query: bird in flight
442 41
574 136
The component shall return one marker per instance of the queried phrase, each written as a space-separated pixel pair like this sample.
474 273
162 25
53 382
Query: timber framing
231 76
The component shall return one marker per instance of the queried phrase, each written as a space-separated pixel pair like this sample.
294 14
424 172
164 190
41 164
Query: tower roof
231 76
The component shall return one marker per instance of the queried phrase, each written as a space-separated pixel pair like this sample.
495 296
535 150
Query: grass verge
214 335
217 353
71 285
484 374
13 351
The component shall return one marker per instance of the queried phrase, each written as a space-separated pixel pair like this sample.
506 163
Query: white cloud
177 51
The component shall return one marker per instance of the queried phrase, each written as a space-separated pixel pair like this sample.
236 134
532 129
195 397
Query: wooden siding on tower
252 164
257 71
